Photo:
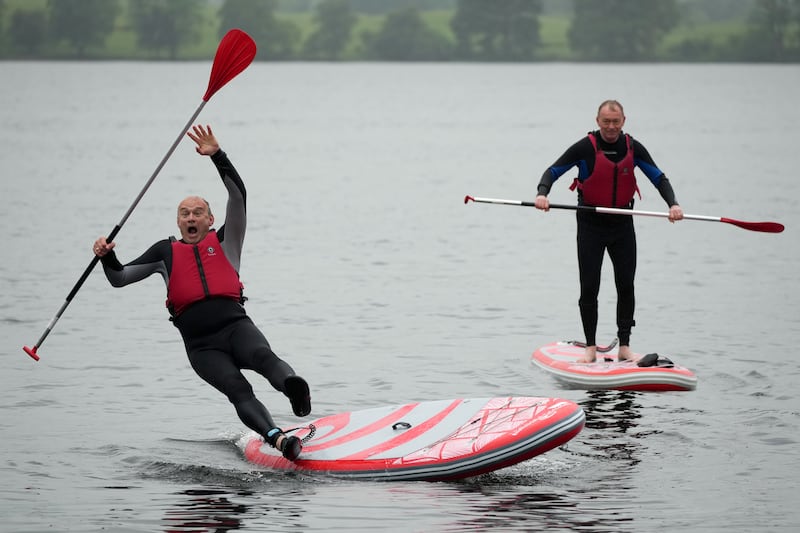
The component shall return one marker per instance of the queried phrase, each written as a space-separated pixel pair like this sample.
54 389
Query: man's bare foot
625 354
590 355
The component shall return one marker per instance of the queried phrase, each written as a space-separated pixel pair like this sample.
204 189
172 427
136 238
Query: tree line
475 30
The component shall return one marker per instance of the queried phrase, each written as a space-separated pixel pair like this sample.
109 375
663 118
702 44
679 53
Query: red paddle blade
766 227
467 198
235 52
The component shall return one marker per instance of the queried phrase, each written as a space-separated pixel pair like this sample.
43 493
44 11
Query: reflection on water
536 508
614 416
610 409
205 510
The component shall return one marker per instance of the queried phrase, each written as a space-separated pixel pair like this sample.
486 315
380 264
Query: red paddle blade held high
763 227
235 52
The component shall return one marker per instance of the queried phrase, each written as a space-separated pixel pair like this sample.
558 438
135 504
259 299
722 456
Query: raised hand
204 138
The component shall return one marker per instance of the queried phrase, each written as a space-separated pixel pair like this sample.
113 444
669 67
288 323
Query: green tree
404 36
385 7
492 30
620 30
166 25
774 31
275 38
28 30
716 10
82 23
2 25
335 20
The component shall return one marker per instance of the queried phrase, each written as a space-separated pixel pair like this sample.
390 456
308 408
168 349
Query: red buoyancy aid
200 271
610 184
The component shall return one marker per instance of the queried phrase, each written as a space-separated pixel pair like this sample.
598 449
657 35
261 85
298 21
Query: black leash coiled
312 429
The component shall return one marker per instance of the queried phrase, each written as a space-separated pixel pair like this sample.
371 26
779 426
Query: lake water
371 277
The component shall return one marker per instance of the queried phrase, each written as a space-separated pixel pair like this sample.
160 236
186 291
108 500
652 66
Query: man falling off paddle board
606 159
205 300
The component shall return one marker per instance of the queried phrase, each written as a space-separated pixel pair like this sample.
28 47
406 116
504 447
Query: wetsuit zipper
200 269
614 189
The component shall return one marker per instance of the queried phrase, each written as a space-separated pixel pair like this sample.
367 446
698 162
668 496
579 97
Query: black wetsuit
219 337
598 232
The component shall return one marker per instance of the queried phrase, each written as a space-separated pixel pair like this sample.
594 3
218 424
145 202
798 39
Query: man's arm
153 261
231 234
644 161
580 154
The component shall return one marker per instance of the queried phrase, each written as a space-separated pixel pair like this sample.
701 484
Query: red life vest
200 271
610 184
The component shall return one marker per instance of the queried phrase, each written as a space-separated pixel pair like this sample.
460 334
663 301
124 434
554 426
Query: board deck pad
428 440
560 360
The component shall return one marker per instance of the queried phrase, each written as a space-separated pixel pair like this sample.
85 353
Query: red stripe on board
406 436
366 430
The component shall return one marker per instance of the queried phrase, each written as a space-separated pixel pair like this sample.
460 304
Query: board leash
600 349
312 429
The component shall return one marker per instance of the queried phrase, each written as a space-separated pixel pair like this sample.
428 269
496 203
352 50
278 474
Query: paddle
766 227
235 52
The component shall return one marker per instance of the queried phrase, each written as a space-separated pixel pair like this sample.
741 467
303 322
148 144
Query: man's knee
237 389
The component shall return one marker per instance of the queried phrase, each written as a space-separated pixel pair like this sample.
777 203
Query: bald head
194 219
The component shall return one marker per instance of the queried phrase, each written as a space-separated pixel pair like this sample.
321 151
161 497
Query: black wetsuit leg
622 251
596 234
213 357
252 351
591 249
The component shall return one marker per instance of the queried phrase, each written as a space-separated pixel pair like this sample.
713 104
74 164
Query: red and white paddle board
430 440
560 360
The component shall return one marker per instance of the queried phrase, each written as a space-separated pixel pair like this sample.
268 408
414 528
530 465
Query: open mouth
191 230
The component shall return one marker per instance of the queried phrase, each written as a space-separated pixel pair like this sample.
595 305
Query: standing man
205 300
606 159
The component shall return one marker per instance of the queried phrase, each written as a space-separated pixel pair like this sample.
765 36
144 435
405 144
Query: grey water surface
372 278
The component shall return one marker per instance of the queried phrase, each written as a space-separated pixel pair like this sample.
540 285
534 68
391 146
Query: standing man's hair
612 104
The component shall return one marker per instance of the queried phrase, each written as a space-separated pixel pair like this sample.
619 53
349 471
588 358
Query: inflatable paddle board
559 359
430 441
